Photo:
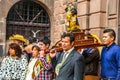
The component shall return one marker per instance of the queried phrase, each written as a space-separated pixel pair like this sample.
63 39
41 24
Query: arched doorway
26 17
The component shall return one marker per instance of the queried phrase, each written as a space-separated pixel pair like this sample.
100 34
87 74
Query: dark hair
70 35
45 40
32 40
111 32
17 49
37 47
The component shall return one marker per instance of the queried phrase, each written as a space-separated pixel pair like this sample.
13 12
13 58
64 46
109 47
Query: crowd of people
37 62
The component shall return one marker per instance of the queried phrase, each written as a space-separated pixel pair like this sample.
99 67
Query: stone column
97 16
113 17
83 13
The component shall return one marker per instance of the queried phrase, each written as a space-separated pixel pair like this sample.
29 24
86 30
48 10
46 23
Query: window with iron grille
26 17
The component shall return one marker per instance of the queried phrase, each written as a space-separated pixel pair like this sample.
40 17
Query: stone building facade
95 14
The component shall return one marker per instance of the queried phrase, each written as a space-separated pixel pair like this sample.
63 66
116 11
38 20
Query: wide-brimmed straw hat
18 37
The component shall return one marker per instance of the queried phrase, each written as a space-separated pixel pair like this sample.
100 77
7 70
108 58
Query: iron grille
25 17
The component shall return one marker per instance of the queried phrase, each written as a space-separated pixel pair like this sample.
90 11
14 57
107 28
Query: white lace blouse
13 68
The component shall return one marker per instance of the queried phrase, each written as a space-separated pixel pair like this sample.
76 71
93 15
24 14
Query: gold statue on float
83 39
71 17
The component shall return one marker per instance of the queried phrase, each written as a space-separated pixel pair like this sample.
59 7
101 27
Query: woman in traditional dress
13 66
33 62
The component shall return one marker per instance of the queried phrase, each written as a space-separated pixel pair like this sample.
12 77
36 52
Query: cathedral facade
47 17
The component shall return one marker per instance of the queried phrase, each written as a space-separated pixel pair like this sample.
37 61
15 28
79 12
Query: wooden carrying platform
83 40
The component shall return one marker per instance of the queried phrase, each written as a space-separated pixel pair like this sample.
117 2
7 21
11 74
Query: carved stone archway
27 18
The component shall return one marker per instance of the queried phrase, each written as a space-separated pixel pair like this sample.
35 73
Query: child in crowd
45 73
33 62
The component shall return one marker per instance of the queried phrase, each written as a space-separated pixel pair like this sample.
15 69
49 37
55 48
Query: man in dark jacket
92 57
69 63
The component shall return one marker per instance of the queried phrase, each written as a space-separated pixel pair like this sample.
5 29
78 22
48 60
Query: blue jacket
110 62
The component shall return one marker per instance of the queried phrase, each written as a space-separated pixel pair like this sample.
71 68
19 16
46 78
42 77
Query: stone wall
59 21
91 14
97 14
5 6
113 13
